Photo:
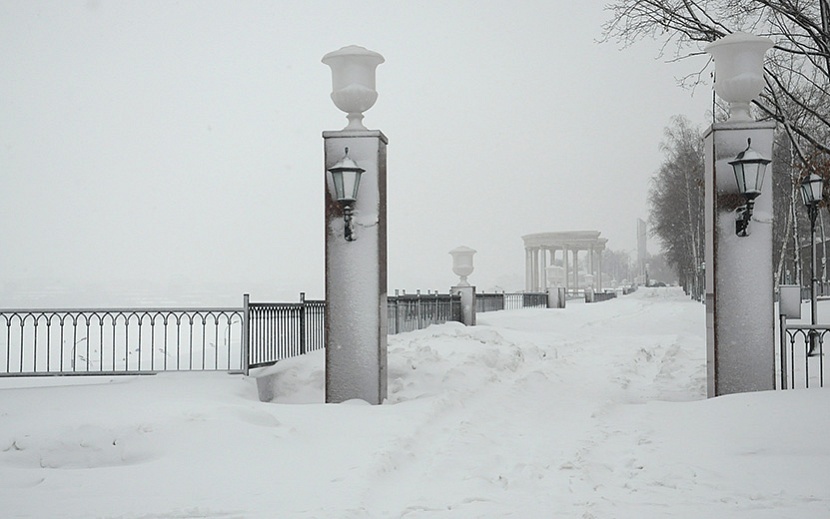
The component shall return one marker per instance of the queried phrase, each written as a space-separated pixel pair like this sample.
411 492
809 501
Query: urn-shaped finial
353 81
739 70
462 263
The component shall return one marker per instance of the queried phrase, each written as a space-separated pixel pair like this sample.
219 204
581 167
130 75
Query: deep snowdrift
594 411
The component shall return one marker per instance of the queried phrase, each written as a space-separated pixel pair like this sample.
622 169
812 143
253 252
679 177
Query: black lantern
811 189
346 177
749 167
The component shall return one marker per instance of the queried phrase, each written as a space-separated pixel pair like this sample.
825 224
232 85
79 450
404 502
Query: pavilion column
591 261
532 268
566 264
535 269
543 273
528 269
599 270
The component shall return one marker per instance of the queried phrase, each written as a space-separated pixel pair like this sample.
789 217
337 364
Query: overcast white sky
170 145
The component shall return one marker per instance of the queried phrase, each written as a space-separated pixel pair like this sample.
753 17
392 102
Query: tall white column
740 317
528 271
356 311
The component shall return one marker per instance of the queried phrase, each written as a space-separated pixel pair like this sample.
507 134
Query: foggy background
171 152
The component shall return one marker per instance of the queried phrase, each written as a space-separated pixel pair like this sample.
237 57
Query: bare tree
797 72
676 203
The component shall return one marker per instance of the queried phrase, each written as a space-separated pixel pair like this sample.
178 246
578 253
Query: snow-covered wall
356 274
740 337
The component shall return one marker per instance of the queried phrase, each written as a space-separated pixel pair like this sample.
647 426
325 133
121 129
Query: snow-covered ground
595 411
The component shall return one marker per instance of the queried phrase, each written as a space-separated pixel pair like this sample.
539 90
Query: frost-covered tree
676 203
618 266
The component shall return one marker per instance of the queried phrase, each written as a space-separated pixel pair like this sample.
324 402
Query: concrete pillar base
468 303
556 297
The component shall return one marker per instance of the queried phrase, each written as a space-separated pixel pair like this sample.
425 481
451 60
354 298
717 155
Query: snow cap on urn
462 263
353 81
739 71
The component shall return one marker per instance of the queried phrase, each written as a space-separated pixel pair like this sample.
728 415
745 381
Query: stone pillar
468 303
556 297
543 274
528 270
356 311
740 318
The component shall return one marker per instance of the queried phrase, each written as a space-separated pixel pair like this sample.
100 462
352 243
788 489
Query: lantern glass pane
351 183
760 169
337 176
817 185
739 176
749 183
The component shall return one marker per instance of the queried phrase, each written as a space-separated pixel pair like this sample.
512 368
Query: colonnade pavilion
541 251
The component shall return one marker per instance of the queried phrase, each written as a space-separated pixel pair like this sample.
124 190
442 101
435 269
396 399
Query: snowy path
597 411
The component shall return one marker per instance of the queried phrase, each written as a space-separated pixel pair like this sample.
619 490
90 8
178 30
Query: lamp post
355 231
812 189
740 311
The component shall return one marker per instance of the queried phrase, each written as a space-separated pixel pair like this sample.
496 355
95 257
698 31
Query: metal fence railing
800 355
414 312
151 340
278 331
510 301
489 302
101 341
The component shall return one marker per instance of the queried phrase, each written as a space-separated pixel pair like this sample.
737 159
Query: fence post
246 331
783 349
302 323
419 323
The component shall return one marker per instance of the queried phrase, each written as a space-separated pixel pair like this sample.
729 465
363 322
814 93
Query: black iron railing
278 331
503 301
100 341
414 312
489 302
152 340
801 355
